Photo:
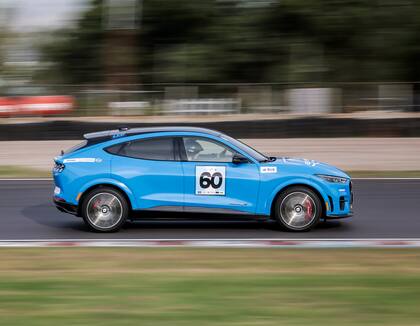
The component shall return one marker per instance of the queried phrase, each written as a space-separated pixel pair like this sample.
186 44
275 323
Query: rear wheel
298 209
104 209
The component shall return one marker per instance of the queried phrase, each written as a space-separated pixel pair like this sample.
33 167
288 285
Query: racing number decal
210 180
207 180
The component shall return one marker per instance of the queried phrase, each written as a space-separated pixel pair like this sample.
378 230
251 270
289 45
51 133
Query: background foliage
246 41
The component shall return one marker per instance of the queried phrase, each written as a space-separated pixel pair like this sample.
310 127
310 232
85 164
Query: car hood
309 166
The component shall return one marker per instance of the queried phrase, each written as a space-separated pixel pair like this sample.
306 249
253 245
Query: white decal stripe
80 160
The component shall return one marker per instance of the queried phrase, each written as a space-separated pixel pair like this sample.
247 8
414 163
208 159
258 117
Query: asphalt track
384 208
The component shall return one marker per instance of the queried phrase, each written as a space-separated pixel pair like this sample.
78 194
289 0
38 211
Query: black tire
306 212
109 214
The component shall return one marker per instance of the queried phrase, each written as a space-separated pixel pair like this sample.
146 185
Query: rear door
150 168
212 183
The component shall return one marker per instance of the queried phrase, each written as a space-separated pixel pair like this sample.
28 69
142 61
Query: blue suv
113 174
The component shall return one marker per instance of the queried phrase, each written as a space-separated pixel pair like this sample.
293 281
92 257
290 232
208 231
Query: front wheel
298 209
104 209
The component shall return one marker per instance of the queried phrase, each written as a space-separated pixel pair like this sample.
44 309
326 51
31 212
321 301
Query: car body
189 169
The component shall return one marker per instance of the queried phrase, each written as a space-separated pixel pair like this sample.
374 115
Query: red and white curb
224 243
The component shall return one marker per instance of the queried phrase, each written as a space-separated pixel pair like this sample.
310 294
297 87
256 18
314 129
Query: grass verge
193 286
7 171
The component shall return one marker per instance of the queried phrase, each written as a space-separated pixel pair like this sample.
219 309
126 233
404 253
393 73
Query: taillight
59 167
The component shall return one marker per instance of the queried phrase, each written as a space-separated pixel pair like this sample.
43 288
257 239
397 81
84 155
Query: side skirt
190 213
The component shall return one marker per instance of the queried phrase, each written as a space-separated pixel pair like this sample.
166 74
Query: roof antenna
123 128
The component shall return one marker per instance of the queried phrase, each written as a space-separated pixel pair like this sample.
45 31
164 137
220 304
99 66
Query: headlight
333 179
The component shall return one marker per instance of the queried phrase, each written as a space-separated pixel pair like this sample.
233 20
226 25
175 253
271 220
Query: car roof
121 132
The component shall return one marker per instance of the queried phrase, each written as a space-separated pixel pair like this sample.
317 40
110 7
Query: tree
252 41
76 53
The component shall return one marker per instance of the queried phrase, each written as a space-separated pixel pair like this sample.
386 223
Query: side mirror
239 159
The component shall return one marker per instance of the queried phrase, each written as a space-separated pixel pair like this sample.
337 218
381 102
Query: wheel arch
304 185
121 189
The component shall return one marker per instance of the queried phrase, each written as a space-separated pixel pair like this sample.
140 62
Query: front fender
264 208
112 182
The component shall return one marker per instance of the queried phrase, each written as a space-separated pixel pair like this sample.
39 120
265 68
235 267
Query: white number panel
210 180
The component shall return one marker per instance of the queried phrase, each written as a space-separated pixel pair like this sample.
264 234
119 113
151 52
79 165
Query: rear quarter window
114 149
158 149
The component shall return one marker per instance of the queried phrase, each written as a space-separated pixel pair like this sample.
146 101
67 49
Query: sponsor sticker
268 169
311 162
118 135
210 180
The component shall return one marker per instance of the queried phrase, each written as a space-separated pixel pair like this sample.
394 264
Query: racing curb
224 243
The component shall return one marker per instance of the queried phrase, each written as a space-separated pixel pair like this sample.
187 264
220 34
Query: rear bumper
64 206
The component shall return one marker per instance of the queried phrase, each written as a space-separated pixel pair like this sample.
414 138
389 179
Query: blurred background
256 69
160 57
332 80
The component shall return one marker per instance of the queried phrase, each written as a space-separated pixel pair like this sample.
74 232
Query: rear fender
112 182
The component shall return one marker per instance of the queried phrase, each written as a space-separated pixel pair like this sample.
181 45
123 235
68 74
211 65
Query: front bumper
340 201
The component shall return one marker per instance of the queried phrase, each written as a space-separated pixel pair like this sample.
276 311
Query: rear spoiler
106 135
93 139
125 131
103 134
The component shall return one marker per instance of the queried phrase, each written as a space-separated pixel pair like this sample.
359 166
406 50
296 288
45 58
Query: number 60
207 180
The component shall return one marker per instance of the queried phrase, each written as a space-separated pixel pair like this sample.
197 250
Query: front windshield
247 149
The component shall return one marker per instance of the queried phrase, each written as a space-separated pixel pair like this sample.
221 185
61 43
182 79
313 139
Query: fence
227 98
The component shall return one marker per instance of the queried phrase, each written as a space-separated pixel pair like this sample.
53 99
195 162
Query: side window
114 149
161 149
200 149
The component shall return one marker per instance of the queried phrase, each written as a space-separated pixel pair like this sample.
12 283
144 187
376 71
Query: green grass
7 171
131 286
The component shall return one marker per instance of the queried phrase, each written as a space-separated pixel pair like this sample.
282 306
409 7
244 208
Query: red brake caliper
309 208
96 203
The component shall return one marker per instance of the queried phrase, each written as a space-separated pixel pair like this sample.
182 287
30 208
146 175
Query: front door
212 182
